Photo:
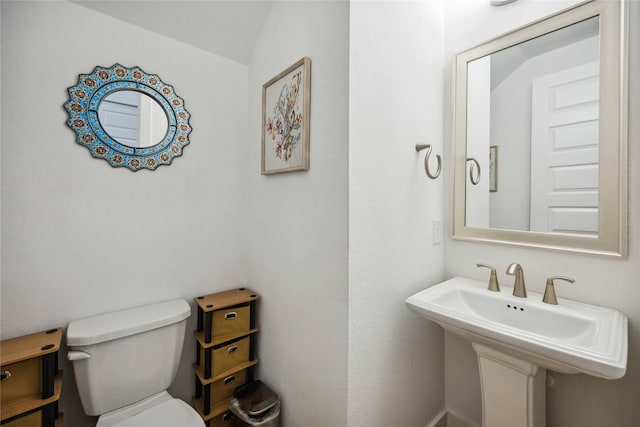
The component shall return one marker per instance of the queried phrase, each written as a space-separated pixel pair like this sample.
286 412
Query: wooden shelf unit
31 381
223 319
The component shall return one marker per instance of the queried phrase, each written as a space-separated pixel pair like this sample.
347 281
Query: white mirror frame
612 175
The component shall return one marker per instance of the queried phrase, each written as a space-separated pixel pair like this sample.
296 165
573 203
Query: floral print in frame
285 120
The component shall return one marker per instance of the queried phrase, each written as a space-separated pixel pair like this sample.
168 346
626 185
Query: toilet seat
172 413
161 410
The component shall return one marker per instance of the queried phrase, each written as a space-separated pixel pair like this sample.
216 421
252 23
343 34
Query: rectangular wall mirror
540 134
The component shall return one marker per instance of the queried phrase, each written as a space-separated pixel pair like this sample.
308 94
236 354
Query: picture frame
493 168
286 102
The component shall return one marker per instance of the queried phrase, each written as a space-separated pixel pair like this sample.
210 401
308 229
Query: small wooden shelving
31 383
225 336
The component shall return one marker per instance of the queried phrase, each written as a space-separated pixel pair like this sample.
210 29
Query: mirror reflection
133 118
537 105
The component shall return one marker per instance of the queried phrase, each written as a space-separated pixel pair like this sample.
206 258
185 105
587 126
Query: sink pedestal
513 391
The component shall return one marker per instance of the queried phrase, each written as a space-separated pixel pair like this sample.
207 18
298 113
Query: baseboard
449 418
456 420
440 420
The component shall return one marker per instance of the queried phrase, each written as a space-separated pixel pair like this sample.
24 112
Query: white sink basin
571 337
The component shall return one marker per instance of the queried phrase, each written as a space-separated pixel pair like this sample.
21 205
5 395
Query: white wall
80 237
395 102
298 221
576 400
478 209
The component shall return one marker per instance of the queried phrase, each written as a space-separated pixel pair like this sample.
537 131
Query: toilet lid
172 413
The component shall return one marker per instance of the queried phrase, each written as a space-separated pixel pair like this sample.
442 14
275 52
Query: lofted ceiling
228 28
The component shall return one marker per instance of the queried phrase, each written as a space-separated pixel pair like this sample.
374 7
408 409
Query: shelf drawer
28 366
226 419
226 313
229 355
34 419
41 417
231 320
28 379
21 381
224 357
223 389
212 396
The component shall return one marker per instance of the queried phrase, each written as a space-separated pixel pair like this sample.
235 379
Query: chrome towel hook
420 147
474 166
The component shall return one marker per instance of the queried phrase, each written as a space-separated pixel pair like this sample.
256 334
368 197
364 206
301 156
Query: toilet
125 361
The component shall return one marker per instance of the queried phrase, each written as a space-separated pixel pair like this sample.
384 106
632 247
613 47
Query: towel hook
475 165
420 147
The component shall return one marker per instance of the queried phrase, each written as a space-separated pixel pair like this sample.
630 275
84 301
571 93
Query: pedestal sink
517 339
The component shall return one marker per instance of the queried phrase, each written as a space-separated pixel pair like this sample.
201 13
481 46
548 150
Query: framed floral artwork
286 101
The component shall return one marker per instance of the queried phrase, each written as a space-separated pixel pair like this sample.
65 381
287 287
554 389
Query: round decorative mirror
133 118
128 117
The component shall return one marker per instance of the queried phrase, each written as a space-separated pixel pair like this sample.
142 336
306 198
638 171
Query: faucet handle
493 280
550 291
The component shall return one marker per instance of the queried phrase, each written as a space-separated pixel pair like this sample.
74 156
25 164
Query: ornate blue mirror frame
85 98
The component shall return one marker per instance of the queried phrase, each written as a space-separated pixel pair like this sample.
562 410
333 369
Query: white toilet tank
123 357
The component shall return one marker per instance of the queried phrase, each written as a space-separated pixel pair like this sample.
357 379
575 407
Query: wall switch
436 238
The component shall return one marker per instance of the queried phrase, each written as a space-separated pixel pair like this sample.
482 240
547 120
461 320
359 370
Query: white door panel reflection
564 151
133 118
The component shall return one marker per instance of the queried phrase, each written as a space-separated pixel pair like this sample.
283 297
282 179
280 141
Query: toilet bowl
125 361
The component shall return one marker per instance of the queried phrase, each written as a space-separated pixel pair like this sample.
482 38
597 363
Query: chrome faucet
493 279
550 291
519 290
